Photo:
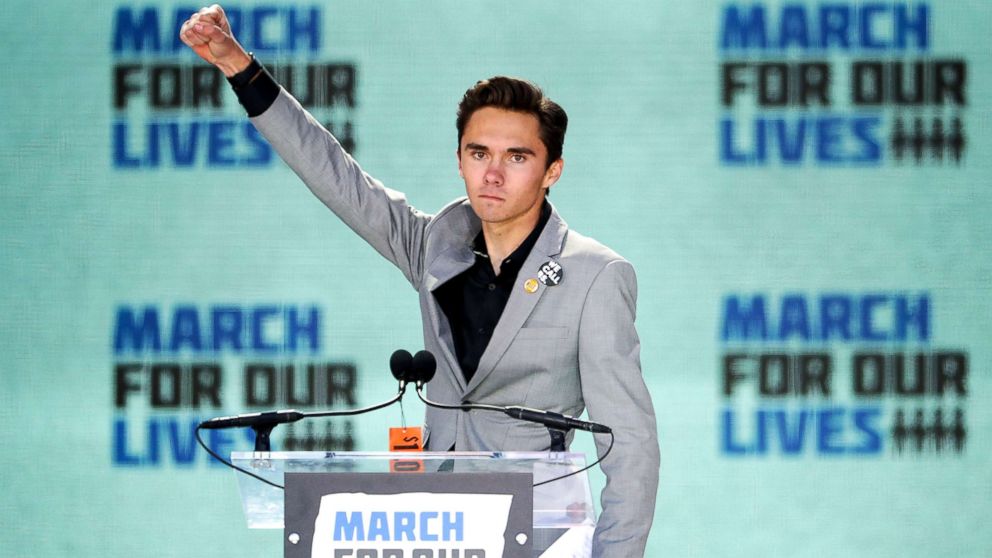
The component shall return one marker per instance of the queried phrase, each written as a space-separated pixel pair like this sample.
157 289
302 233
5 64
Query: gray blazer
562 348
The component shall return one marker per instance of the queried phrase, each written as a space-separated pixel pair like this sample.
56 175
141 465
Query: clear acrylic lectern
563 514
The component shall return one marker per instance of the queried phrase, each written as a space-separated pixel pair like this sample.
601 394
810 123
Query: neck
503 238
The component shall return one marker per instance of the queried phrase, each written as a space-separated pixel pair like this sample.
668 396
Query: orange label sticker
406 439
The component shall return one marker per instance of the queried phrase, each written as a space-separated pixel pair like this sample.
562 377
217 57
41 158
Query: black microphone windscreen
424 366
400 364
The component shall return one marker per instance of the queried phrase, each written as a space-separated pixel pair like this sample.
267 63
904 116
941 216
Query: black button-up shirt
473 301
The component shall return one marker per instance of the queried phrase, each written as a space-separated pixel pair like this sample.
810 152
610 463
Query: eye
478 155
517 158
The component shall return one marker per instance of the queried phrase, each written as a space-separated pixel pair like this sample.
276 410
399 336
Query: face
502 159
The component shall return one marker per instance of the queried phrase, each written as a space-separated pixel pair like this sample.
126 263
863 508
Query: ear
553 173
458 157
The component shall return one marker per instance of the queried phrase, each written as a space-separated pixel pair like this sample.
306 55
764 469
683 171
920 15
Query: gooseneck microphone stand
262 424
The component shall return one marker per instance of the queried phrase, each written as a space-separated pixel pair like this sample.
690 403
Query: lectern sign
371 515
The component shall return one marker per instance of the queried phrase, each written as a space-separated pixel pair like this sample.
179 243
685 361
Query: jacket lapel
521 303
454 259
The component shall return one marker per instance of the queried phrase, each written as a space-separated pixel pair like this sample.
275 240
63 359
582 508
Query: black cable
484 407
462 407
586 468
315 414
350 412
228 463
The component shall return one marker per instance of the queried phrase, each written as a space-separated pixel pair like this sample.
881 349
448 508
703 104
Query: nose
494 173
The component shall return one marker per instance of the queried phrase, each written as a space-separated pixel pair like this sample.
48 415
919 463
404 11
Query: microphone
253 420
401 365
556 420
425 365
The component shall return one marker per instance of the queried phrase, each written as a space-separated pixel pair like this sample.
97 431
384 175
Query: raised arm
382 217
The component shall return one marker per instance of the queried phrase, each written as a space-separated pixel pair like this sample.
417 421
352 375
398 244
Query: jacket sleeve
379 215
615 395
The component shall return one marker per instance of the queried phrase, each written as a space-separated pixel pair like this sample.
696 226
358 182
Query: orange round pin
530 285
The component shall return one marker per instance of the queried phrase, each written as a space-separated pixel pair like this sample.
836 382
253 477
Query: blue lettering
175 434
404 525
133 334
261 152
729 444
792 439
912 316
425 518
123 159
221 442
227 323
868 14
182 442
744 320
258 319
864 129
829 430
452 526
349 526
794 319
122 453
743 31
298 329
865 423
916 26
794 29
872 26
259 15
828 140
223 143
185 330
136 34
835 317
220 152
378 526
835 25
139 330
263 29
792 147
304 28
867 313
728 154
761 440
183 149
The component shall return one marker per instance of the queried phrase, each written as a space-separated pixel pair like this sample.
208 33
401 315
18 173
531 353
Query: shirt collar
478 244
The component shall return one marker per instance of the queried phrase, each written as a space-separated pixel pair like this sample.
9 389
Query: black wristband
255 87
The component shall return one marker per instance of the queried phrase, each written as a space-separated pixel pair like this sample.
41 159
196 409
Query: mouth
490 197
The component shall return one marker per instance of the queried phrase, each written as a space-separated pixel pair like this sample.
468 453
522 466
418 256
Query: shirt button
492 286
482 330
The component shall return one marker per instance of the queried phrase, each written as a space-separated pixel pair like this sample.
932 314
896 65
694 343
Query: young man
519 309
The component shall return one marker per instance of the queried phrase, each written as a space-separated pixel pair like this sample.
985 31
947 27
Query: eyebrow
480 147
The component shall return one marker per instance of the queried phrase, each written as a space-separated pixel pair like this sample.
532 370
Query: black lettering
166 384
124 382
260 385
949 77
206 379
774 374
869 374
124 86
951 369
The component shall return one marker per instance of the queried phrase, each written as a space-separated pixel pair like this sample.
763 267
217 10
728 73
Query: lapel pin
550 273
530 285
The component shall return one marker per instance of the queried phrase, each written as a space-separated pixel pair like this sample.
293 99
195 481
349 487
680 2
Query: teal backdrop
804 189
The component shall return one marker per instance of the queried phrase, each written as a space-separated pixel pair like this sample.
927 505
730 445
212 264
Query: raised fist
208 33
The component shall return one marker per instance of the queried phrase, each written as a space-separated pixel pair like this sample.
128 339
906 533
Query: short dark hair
521 96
